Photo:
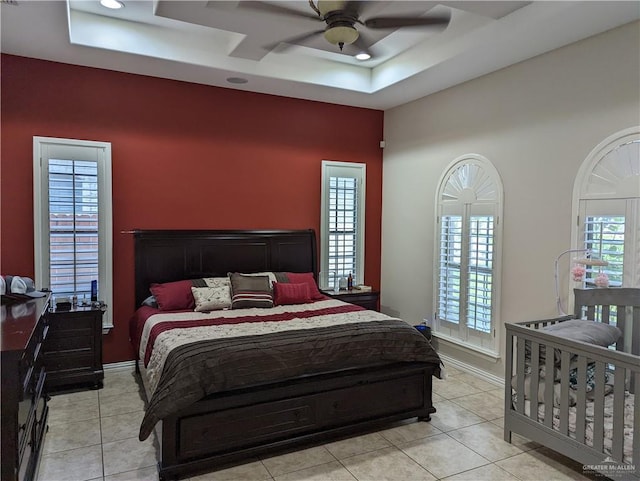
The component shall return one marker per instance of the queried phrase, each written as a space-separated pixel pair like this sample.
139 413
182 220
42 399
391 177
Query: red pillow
306 278
173 296
288 293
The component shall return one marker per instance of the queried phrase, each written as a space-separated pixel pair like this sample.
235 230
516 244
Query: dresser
24 329
73 349
366 299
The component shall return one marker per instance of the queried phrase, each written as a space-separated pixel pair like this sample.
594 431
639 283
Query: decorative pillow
271 275
211 298
216 282
288 293
150 301
173 296
250 291
302 278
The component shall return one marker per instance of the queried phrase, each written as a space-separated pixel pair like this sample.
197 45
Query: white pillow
217 281
211 298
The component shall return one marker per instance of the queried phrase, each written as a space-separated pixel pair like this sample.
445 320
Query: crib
576 397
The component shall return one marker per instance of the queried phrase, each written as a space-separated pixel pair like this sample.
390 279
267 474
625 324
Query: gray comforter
207 366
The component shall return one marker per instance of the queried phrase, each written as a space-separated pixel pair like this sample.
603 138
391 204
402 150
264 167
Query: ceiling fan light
341 35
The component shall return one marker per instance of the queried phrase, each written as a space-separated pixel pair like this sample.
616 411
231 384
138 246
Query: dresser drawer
246 425
344 405
71 322
69 360
30 410
26 419
32 360
72 341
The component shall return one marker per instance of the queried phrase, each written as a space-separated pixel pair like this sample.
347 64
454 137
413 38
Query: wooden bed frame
230 427
624 359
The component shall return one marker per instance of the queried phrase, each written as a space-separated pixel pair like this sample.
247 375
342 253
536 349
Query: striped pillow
250 291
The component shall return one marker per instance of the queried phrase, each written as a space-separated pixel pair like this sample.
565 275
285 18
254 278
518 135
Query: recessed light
363 56
237 80
112 4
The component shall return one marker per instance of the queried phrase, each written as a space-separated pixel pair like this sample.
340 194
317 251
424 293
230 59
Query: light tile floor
93 436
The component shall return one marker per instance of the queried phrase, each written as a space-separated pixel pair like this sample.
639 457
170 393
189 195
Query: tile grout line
101 438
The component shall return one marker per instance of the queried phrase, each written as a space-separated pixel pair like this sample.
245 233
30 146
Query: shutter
73 225
480 273
343 222
449 292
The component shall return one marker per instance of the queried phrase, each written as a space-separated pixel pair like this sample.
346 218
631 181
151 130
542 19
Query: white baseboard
120 366
484 375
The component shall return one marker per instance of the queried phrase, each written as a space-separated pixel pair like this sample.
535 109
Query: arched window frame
608 181
459 194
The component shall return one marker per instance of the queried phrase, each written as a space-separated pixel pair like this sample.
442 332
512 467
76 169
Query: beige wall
536 122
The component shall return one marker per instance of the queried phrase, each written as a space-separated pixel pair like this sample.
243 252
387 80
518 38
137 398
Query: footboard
229 427
559 396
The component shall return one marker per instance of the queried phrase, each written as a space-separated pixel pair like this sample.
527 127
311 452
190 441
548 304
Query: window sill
106 329
482 352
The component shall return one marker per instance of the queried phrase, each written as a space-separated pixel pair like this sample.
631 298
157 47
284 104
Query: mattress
589 422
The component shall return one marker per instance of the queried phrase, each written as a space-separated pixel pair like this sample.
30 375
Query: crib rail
546 380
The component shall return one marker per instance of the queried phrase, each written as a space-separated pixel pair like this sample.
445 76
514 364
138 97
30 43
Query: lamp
587 260
341 34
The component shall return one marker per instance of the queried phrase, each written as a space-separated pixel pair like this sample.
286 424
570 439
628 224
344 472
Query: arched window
468 230
606 204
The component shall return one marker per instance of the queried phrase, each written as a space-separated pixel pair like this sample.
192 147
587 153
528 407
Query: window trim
360 172
105 219
495 207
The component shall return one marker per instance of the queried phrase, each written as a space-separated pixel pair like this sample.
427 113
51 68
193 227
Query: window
606 204
469 208
72 203
342 222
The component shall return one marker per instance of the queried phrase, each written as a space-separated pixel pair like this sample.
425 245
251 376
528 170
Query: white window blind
480 273
73 226
450 264
343 227
604 237
342 218
471 292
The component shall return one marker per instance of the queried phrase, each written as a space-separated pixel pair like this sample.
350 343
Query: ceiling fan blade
291 41
397 22
354 7
276 9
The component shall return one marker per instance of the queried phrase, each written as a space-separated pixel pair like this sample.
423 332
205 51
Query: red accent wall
185 156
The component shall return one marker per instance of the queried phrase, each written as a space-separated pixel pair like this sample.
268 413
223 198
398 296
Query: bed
207 417
571 382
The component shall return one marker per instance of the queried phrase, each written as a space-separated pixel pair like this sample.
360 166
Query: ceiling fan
341 18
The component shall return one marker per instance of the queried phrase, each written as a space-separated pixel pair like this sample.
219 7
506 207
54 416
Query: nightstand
73 349
366 299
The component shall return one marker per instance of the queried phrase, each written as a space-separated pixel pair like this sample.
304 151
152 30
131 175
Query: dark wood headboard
172 255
